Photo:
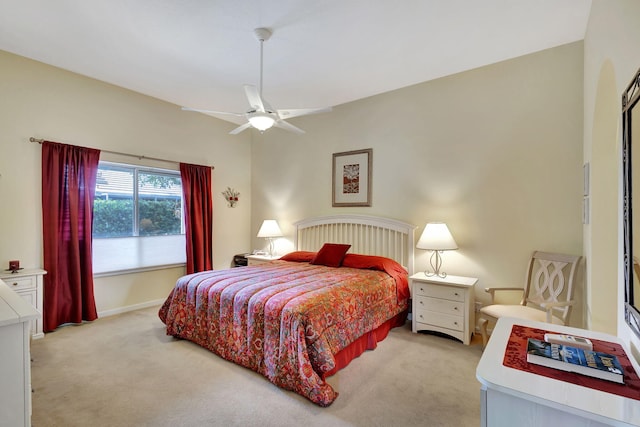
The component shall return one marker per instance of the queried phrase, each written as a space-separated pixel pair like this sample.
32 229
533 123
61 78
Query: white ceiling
199 53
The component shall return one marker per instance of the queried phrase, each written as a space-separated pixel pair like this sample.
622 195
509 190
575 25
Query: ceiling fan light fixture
261 122
261 115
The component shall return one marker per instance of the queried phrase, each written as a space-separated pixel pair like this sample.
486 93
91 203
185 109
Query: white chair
546 297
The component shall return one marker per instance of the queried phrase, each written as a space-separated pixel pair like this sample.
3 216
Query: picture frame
351 178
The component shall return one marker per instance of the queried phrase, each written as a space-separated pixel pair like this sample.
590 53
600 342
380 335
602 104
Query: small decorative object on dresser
28 283
14 266
443 305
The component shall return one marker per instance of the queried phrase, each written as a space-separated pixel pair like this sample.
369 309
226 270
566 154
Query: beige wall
610 60
46 102
495 152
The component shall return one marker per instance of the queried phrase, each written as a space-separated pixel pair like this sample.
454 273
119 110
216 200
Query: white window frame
122 255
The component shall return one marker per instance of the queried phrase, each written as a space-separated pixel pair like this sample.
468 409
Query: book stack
572 359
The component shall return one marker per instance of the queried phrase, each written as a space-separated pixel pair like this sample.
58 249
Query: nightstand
443 305
28 283
260 259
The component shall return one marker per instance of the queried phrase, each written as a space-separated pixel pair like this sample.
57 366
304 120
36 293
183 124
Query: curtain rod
40 141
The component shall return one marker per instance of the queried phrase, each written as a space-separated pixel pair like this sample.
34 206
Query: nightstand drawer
260 259
439 291
454 308
21 283
440 319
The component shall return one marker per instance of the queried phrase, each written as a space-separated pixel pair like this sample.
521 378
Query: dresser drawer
454 308
439 291
20 283
440 319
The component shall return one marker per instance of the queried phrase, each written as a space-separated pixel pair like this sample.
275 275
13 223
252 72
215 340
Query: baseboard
128 308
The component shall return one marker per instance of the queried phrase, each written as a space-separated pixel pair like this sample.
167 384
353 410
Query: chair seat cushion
518 311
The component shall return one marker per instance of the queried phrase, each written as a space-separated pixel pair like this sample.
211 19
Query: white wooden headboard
368 235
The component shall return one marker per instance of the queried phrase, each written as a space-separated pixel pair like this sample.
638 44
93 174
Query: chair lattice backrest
550 279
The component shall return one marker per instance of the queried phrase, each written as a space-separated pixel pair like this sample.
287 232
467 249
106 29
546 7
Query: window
138 221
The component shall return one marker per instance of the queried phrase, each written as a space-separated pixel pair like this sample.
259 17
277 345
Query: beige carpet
124 371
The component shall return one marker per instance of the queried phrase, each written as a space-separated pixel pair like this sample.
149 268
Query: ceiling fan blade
240 128
288 126
255 101
296 112
212 112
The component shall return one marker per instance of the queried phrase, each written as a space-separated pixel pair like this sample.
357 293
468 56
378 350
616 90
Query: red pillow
330 255
299 256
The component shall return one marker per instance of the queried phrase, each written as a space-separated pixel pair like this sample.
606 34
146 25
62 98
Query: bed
300 319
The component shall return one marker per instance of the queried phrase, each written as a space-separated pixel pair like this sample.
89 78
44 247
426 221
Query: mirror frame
630 99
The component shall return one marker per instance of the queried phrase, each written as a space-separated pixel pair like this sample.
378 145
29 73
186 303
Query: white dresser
511 397
28 283
15 367
443 305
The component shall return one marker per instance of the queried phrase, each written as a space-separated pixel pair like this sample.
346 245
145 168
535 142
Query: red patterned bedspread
283 319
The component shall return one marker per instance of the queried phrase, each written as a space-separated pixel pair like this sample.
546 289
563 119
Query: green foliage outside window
114 218
159 218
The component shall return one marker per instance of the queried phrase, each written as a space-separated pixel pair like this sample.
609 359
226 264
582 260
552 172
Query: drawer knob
15 284
456 294
455 308
455 323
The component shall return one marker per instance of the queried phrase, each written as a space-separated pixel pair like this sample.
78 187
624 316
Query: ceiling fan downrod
262 34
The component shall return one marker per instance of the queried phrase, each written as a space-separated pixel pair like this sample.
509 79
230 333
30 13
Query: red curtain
68 187
198 213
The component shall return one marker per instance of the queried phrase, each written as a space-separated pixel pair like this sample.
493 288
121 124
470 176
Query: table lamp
436 237
269 230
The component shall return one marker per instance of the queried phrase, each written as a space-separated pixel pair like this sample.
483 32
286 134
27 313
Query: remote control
569 340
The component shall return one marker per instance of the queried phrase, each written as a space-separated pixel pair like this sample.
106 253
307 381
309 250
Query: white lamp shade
437 237
269 228
261 122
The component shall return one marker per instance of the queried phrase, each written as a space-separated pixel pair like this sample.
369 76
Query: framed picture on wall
352 178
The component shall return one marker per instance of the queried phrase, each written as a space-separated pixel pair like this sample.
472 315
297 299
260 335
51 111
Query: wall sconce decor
231 196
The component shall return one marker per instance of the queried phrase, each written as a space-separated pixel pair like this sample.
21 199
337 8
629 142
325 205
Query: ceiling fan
260 114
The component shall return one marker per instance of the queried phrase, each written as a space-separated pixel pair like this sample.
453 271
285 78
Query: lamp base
435 265
270 239
441 275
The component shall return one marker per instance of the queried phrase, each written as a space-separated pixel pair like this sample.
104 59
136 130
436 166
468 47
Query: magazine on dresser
571 359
